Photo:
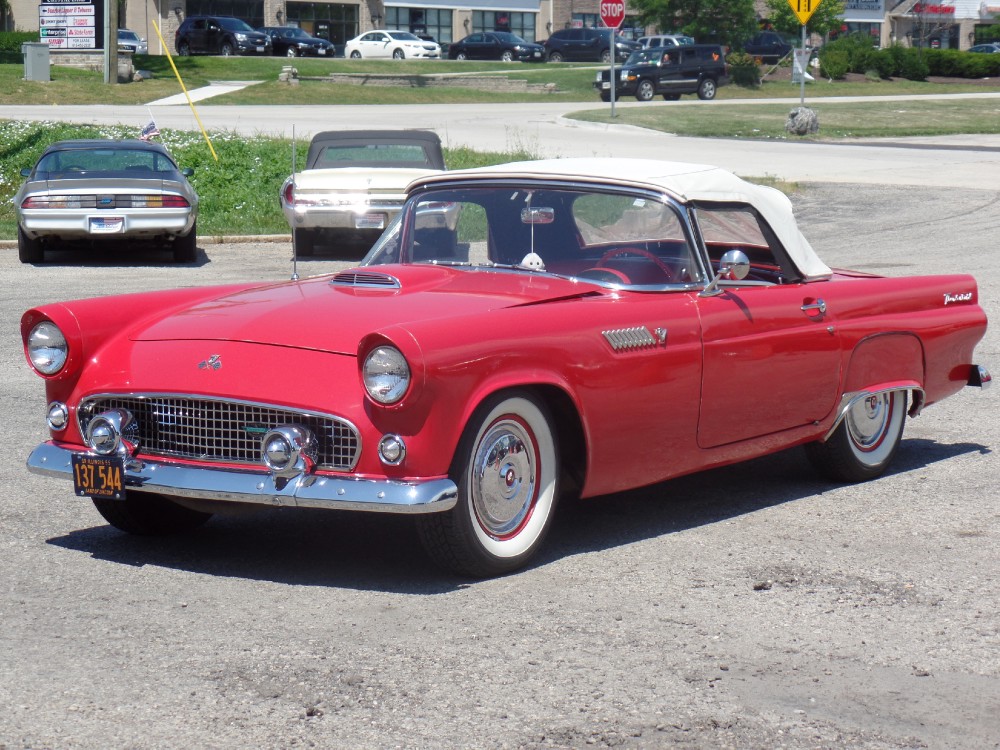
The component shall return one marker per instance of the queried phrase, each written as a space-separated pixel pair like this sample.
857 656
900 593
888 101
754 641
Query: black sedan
292 41
496 45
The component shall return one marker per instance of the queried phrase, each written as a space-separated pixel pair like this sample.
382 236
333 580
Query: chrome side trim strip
304 491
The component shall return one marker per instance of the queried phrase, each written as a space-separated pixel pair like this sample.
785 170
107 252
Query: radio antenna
295 255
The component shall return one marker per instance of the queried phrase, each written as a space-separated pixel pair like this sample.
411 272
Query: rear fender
885 362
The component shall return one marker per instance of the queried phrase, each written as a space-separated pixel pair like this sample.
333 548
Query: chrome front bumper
260 487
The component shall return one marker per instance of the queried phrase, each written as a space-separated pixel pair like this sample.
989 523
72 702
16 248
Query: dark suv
219 35
668 71
769 46
588 45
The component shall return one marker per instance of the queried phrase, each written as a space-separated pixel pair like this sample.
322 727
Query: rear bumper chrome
260 487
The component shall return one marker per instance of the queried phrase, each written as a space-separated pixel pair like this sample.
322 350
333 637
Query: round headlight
386 374
47 348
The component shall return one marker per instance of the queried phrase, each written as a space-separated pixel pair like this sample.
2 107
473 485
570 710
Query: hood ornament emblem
212 363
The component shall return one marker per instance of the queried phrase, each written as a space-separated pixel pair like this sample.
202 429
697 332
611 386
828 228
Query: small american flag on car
149 131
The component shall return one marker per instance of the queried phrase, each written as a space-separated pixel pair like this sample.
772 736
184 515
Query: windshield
647 56
609 237
506 36
234 24
130 35
404 36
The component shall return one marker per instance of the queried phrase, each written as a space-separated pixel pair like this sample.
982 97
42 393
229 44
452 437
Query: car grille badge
212 363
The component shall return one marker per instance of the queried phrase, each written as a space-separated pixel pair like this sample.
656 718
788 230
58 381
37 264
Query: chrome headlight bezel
47 348
386 375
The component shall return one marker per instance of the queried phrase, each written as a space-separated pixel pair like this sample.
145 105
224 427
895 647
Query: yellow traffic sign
803 9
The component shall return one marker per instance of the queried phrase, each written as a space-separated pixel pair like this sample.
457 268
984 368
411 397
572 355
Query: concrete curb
218 239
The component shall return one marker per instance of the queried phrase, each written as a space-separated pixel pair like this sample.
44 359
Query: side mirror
733 266
187 171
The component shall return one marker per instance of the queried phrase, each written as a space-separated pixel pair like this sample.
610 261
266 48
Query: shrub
913 66
743 70
833 63
11 41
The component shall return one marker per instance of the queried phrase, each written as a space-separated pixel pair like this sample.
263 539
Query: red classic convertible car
518 334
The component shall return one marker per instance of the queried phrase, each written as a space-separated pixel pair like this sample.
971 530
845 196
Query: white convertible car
353 184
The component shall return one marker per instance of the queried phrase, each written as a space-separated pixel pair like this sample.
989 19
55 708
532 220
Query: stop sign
612 13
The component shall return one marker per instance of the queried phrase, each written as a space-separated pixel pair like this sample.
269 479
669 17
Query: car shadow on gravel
307 547
131 256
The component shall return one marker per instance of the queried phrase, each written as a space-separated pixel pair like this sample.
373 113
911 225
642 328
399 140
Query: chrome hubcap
868 420
503 481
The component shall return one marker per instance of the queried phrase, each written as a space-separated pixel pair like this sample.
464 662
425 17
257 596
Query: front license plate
537 54
107 225
370 221
98 476
321 52
260 49
605 85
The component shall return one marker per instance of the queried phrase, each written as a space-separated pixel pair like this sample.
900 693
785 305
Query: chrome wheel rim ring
504 478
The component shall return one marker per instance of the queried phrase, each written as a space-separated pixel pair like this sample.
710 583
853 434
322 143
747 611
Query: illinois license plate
107 225
370 221
98 476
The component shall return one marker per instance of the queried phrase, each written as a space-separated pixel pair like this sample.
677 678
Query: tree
828 16
729 22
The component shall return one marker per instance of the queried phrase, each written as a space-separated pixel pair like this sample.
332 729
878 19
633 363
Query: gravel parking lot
755 606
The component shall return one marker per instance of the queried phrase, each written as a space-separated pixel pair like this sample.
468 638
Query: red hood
329 313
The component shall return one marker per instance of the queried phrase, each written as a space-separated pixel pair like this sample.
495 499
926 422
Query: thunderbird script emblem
212 363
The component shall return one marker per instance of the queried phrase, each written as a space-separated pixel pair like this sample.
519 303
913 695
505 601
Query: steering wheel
618 251
607 275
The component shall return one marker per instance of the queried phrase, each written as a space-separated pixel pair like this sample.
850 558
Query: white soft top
685 182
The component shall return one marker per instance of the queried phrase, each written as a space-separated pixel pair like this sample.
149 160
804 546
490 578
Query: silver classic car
82 193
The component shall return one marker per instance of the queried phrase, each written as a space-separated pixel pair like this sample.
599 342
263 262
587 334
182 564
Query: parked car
990 48
496 45
353 184
129 41
89 192
291 41
769 46
665 40
219 35
395 44
587 45
668 72
587 326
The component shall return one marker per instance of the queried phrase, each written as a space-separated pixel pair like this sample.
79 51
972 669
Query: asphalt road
755 606
544 130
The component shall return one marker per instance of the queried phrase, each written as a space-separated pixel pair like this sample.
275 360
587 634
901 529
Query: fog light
111 432
58 416
391 450
289 450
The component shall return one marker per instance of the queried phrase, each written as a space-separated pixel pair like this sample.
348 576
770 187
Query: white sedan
395 44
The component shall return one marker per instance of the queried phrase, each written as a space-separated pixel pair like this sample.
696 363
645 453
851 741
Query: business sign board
70 24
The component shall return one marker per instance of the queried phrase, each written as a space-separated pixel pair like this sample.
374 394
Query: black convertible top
375 148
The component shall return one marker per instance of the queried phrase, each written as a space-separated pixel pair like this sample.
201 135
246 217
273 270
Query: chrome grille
231 431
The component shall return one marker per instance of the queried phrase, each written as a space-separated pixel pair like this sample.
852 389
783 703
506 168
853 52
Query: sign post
612 15
803 10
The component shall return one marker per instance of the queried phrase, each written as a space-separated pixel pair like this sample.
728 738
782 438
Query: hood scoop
365 280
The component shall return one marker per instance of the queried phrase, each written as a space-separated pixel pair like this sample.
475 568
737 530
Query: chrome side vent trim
626 339
366 279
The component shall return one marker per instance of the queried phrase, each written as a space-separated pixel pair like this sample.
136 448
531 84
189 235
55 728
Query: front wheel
606 56
506 469
227 50
706 89
292 52
149 514
645 91
398 54
507 56
865 441
605 96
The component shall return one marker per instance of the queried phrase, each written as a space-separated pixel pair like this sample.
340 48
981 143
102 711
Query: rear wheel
461 56
149 514
355 55
29 250
186 248
555 57
706 89
645 91
305 242
865 441
506 469
183 49
605 96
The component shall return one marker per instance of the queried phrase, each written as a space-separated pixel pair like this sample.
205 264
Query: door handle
819 305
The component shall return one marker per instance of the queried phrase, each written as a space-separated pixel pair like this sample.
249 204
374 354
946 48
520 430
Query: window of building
434 21
337 23
251 11
522 24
